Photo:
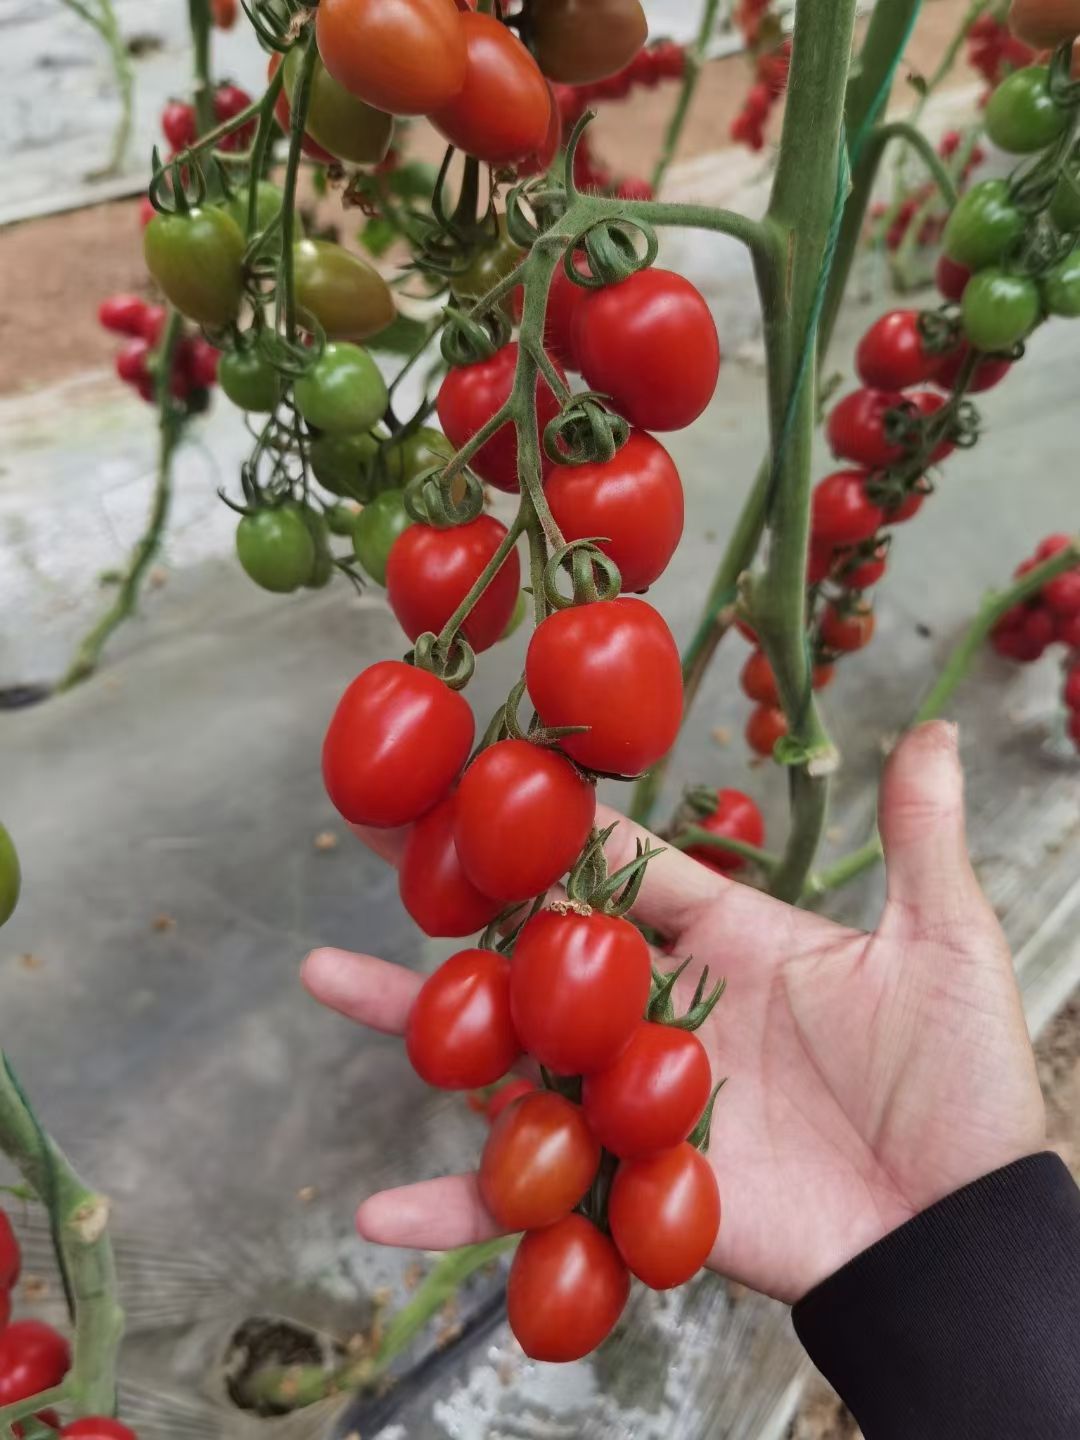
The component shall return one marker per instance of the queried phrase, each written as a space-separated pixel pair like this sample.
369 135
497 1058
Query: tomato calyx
433 499
467 339
590 885
700 1135
594 576
453 664
611 248
585 432
661 1007
891 491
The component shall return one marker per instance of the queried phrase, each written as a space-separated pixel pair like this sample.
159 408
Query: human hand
870 1075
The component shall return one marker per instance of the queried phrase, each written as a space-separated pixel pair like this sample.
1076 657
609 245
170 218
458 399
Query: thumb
921 819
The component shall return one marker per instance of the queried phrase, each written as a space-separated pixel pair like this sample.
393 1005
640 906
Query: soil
54 270
821 1415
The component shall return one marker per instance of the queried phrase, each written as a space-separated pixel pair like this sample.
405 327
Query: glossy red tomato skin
987 373
1071 692
395 745
540 160
560 320
523 814
842 512
578 989
892 355
122 314
613 666
468 398
566 1289
539 1160
855 428
502 113
506 1095
430 571
178 124
652 1096
928 403
434 888
765 726
634 500
404 59
97 1427
736 817
459 1033
847 631
33 1357
664 1213
951 278
649 343
863 575
10 1254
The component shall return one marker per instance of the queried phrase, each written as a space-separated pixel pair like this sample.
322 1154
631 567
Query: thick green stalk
79 1219
694 836
301 97
694 60
170 427
993 607
203 95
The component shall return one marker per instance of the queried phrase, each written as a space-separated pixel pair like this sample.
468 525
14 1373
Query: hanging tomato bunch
995 50
194 361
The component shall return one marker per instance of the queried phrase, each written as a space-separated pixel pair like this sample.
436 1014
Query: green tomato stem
300 99
694 61
199 17
695 837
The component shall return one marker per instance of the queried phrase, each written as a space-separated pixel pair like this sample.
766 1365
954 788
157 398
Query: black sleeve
964 1324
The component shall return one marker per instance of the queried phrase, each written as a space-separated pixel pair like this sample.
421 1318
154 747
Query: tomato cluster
194 360
179 126
994 51
896 221
771 66
596 1168
1052 616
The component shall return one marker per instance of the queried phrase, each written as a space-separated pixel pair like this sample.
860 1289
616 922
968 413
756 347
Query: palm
869 1075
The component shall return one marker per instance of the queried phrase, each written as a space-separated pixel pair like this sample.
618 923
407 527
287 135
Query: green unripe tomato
338 121
1065 205
10 876
319 530
377 527
341 518
269 199
1022 115
249 380
999 309
343 392
408 456
1061 286
197 259
983 225
342 464
493 258
276 549
346 295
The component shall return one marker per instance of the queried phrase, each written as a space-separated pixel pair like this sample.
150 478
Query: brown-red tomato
539 1160
502 112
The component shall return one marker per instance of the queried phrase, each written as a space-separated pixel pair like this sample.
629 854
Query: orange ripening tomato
223 13
405 58
502 113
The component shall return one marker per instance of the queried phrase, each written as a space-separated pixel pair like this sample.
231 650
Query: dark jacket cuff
964 1324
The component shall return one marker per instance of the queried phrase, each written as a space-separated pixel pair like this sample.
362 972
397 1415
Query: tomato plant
523 814
665 1215
539 1160
578 989
567 1288
634 500
502 112
652 1095
459 1033
430 571
614 667
434 888
397 742
404 59
471 395
650 343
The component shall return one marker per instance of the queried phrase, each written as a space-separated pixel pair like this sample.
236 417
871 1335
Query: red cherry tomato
229 101
10 1255
506 1095
856 428
612 666
735 817
539 1160
664 1213
634 500
429 572
928 403
97 1427
395 745
33 1358
1062 594
1067 631
566 1289
908 507
951 278
892 355
541 159
153 323
523 814
1024 632
766 725
459 1033
434 888
987 373
502 113
861 575
1071 693
560 321
178 124
406 59
578 989
123 314
650 343
847 630
468 398
653 1094
131 361
842 513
